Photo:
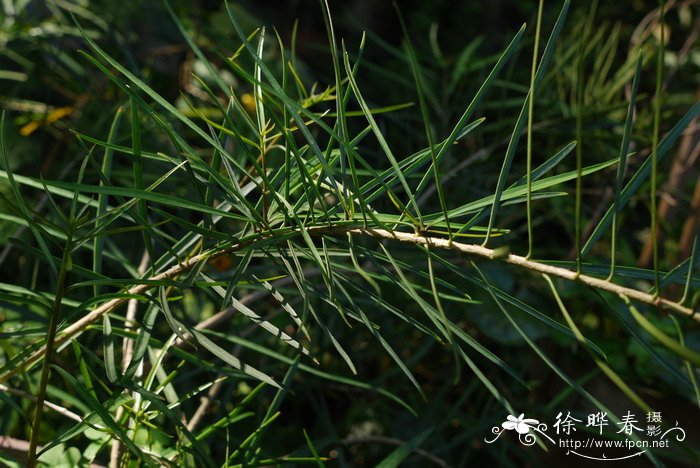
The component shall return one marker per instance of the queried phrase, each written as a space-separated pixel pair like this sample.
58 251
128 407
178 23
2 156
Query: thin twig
484 252
128 344
127 352
205 402
225 315
470 249
59 409
681 171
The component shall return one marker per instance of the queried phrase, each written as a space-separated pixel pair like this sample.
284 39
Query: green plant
257 242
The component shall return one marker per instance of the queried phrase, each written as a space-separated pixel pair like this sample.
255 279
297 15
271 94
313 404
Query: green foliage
251 267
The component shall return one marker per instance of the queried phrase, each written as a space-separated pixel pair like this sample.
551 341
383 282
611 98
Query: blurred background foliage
51 92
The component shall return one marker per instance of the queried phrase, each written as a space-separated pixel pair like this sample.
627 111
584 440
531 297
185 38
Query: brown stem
470 249
680 172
